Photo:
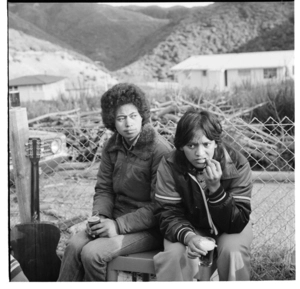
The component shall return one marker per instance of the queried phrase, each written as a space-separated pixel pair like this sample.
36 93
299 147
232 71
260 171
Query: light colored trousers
233 259
86 258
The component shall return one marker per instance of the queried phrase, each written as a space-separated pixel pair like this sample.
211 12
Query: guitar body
34 246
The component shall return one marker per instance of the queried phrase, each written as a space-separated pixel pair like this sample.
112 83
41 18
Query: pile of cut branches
266 147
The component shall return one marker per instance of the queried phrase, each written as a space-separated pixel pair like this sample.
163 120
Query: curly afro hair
120 94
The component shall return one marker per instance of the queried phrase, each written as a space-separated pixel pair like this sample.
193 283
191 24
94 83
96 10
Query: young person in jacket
203 189
124 192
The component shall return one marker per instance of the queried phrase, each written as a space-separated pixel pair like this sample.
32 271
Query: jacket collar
144 146
228 167
229 170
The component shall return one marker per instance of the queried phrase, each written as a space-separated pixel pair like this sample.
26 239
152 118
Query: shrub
279 95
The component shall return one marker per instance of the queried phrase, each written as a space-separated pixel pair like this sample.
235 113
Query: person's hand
91 230
194 247
107 228
212 174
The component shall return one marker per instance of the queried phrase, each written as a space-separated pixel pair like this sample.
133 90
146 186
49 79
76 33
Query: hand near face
212 174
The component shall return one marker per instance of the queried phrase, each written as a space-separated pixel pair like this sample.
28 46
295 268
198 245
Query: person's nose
128 122
199 151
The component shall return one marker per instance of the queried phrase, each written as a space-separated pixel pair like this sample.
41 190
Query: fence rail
66 192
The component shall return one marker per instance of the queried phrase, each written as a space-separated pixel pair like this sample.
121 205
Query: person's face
199 149
128 121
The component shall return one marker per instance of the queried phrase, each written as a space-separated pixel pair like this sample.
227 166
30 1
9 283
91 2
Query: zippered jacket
126 180
183 206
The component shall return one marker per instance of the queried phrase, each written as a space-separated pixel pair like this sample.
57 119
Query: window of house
244 72
270 73
204 72
11 88
37 87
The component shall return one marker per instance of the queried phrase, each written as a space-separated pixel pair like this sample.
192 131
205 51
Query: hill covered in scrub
144 43
220 28
100 32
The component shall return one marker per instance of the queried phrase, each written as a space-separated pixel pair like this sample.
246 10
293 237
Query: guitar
34 243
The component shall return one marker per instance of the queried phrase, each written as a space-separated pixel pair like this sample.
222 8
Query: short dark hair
120 94
194 120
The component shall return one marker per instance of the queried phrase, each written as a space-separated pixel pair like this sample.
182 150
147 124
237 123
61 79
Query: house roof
265 59
34 80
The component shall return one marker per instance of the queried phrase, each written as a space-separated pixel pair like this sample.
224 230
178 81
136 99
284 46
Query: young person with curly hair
124 192
203 189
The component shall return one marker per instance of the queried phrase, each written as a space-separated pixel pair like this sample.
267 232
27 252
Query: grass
63 103
279 95
273 216
269 265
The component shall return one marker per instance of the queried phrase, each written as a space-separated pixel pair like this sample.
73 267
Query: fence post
18 136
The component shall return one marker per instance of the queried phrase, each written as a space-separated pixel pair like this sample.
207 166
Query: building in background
38 87
223 71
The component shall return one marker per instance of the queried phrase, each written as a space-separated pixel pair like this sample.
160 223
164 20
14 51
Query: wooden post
18 136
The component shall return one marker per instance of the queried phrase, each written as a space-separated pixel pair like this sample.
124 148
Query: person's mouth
201 161
129 131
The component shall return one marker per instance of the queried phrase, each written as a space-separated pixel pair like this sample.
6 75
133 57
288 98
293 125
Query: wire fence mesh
67 187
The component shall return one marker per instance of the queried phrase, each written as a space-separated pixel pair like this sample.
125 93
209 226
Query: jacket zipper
210 221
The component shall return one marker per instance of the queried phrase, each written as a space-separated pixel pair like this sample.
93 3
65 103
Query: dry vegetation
251 118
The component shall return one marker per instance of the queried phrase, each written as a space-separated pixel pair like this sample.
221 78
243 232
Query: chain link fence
67 188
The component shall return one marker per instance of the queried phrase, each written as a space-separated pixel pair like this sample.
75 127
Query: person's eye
120 118
133 115
191 146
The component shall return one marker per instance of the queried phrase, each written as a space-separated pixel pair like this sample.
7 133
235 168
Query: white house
38 87
222 71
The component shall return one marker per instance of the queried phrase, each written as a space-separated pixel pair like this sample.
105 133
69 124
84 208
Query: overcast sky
162 4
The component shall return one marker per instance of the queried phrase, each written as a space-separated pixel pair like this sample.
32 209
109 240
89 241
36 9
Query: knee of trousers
227 246
173 253
74 246
90 254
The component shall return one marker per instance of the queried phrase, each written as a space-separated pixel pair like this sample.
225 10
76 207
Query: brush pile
267 145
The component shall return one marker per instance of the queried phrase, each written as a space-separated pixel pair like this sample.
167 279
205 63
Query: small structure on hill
38 87
223 71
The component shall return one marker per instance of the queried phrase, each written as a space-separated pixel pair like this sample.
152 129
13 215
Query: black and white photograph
150 142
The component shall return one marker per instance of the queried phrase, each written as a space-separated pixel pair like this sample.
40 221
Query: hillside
29 55
219 28
278 38
17 23
144 43
100 32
